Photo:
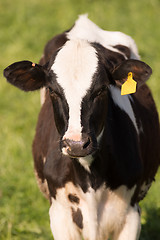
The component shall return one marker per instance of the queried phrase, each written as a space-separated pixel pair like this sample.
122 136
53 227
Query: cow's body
94 169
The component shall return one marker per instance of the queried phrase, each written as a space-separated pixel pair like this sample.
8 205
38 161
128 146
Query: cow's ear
140 72
26 75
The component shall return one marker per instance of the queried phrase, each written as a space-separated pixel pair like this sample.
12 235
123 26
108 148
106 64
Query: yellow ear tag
129 86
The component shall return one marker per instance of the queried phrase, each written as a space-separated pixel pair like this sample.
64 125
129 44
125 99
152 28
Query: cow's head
78 77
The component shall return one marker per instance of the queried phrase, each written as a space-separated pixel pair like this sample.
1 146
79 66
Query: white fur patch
42 95
86 162
113 210
123 102
86 29
103 212
131 229
75 66
61 222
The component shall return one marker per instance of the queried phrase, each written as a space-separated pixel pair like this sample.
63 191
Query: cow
96 151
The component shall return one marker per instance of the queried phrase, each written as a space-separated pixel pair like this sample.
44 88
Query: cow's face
78 89
77 77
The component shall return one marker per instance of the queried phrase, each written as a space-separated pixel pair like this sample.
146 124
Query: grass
25 27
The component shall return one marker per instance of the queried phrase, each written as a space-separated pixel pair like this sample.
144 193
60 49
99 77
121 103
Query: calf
95 151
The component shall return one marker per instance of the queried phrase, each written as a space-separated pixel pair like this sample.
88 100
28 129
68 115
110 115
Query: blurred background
25 28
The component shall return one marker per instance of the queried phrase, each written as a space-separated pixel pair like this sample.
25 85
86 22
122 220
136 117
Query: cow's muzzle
80 148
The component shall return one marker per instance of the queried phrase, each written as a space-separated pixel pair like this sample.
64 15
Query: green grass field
25 27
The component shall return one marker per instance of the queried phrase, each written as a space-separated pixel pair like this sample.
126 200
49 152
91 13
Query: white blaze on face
75 65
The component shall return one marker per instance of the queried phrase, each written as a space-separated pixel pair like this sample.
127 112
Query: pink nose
73 134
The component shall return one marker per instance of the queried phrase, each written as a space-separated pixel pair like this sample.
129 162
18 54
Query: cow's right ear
26 75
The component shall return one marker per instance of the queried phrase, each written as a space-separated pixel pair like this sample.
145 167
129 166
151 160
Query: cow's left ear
26 75
140 72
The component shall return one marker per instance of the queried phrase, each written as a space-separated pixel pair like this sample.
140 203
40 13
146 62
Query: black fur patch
77 218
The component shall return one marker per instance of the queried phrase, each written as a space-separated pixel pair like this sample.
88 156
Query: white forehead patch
75 65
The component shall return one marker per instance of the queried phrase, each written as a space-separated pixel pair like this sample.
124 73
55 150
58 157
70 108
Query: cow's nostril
67 143
64 143
87 143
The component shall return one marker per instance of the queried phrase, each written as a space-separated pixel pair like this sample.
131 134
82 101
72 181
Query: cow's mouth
76 149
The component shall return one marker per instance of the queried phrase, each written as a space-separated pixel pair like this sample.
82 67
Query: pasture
25 27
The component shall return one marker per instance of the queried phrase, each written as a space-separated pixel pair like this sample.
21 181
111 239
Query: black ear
26 75
140 70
